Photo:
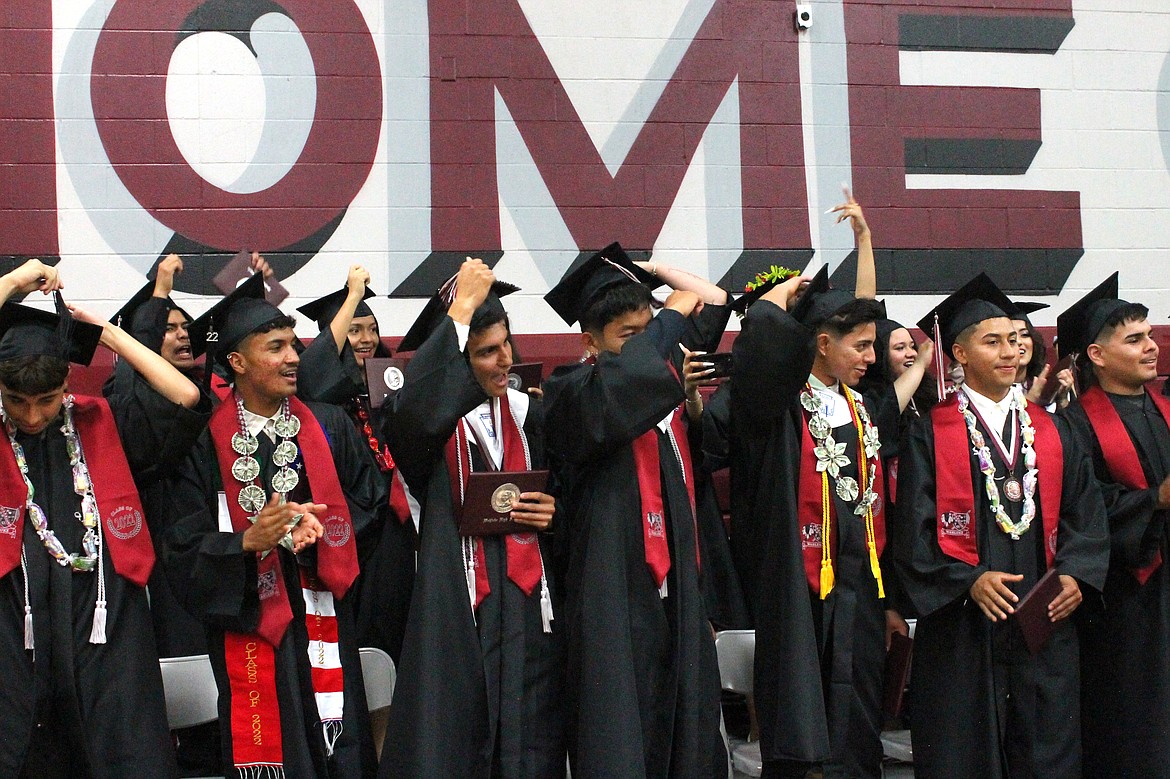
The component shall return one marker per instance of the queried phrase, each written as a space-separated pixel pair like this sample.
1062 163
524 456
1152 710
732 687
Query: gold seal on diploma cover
503 496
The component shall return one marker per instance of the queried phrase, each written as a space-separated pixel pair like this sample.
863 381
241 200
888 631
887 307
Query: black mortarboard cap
583 284
124 317
975 301
1022 308
819 301
223 324
436 309
34 332
1081 323
323 309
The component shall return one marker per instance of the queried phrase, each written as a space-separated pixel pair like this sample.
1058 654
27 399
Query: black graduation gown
642 683
71 708
478 695
382 591
981 706
726 606
1125 656
218 582
169 439
818 662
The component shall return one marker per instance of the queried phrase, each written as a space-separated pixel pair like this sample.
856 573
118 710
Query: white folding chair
736 650
379 675
189 686
191 694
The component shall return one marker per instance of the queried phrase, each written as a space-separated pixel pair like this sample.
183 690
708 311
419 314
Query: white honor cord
98 634
28 618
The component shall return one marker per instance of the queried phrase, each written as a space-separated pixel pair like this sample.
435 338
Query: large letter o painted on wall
128 87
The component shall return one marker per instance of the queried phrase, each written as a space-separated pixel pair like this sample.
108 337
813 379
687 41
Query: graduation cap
237 315
1021 308
581 286
1083 321
436 309
975 301
819 301
33 332
124 318
324 309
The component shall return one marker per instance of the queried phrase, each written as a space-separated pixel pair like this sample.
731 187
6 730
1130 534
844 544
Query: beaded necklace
982 454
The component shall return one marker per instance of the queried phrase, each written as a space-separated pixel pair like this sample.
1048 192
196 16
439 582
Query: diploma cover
487 504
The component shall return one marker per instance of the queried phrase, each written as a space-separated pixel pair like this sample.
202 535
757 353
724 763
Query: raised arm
29 277
772 355
163 377
866 284
907 384
688 282
356 283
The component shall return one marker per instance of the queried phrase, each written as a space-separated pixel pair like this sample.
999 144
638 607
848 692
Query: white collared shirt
995 415
836 408
255 423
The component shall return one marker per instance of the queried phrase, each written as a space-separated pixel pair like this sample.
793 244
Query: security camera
803 16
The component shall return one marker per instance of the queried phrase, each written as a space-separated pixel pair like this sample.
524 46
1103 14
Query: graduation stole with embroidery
1121 456
816 510
955 502
120 521
648 467
250 658
525 564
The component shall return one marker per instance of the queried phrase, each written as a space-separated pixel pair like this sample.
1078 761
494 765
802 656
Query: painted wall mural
1030 138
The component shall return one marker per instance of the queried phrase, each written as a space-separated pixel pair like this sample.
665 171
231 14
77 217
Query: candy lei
86 560
90 557
982 454
831 459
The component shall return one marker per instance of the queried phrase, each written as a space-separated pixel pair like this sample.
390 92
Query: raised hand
31 276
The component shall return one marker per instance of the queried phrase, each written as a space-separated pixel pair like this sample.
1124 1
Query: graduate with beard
642 684
479 690
993 492
82 695
1123 424
275 497
337 375
808 512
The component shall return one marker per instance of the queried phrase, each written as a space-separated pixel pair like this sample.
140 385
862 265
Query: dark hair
1039 351
489 316
33 375
1131 312
857 312
616 301
280 323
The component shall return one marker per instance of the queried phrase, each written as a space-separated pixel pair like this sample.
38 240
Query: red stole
124 533
523 551
337 564
955 502
809 506
648 467
251 663
399 503
1121 456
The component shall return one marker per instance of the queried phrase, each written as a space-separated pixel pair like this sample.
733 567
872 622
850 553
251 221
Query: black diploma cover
897 674
487 504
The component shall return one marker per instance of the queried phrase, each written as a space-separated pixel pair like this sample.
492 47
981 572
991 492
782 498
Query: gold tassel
826 578
876 568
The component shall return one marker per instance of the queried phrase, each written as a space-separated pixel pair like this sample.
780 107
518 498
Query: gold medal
503 496
1013 490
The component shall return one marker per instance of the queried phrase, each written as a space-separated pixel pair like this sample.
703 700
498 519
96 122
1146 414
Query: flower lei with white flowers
982 454
831 459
